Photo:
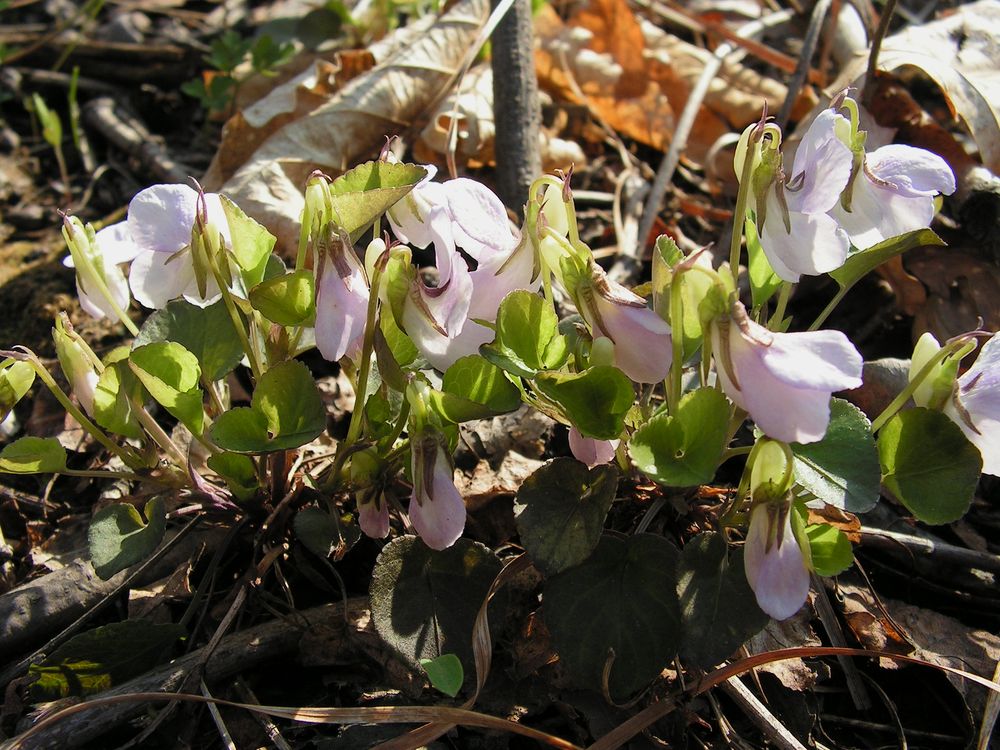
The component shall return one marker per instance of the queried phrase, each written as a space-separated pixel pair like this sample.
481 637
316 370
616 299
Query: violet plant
666 387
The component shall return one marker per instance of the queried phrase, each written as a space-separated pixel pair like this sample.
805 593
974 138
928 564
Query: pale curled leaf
353 124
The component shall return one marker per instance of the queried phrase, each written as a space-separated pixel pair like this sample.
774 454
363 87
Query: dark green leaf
929 465
684 449
718 607
841 469
595 400
103 658
621 603
424 603
118 536
318 531
561 510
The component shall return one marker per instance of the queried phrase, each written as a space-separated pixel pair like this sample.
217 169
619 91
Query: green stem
158 435
113 475
959 347
783 296
237 319
98 434
739 215
821 318
677 342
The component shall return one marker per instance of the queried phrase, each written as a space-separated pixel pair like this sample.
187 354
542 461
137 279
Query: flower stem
677 343
779 311
959 347
739 217
237 319
821 318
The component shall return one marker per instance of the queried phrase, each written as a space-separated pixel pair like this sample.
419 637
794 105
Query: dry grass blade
482 649
621 734
318 715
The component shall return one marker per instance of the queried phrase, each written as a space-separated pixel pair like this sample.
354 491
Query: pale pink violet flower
341 301
591 451
160 220
893 194
436 510
775 566
784 380
643 345
373 516
796 233
112 246
975 404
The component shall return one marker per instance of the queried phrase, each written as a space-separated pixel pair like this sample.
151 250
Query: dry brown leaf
961 290
794 674
869 624
485 483
353 123
959 53
637 77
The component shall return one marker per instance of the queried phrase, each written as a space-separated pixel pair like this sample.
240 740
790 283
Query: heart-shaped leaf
528 338
252 243
561 510
595 400
362 194
620 604
288 300
33 455
171 375
118 537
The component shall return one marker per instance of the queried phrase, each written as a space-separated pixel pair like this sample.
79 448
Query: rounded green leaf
561 510
33 455
252 243
842 469
101 658
285 412
114 394
171 375
206 332
929 465
318 531
684 449
621 603
288 300
424 603
16 379
527 338
474 388
445 673
362 194
237 471
718 608
118 536
830 548
595 400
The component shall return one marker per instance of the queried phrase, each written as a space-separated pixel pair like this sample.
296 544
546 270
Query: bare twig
515 104
129 134
828 617
809 43
880 32
757 712
941 551
630 264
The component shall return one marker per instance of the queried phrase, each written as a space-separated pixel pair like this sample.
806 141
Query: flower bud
78 362
936 388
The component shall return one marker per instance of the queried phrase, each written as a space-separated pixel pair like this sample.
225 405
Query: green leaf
718 608
474 388
860 263
684 449
764 282
205 332
595 400
238 473
445 673
527 338
252 243
560 512
171 375
33 455
842 469
16 379
424 603
693 290
118 536
287 300
285 412
102 658
318 531
830 548
51 124
116 388
364 193
621 600
929 465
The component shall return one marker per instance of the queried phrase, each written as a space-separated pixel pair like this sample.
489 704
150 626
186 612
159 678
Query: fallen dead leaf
796 631
963 292
414 70
484 483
